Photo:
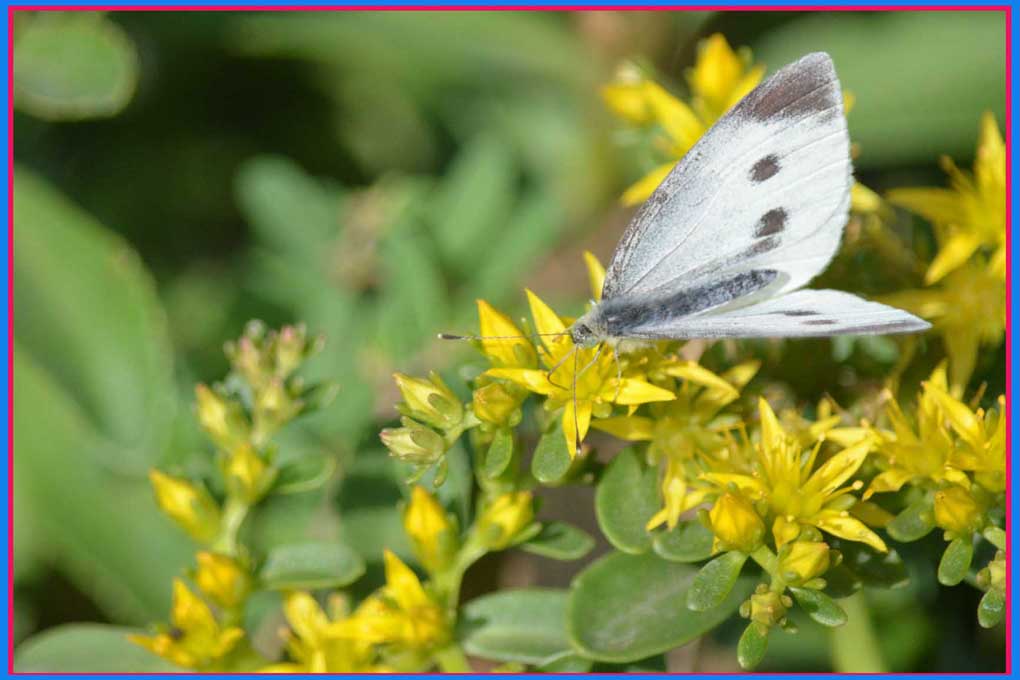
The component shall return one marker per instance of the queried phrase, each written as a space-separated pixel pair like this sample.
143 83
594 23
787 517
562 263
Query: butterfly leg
555 367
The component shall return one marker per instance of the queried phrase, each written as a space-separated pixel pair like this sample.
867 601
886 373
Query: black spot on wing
800 312
765 168
804 87
620 316
904 326
819 322
760 247
772 222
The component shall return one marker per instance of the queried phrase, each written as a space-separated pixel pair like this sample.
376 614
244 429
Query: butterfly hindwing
802 313
767 187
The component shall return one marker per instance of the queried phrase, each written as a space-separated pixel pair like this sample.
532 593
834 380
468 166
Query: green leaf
955 562
413 300
87 648
106 551
914 522
753 644
992 608
499 454
714 581
552 458
628 607
474 202
369 496
72 66
560 541
304 474
516 625
566 662
686 542
626 497
841 582
307 566
819 606
996 536
88 314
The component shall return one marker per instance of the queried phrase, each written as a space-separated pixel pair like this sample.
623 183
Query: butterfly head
588 330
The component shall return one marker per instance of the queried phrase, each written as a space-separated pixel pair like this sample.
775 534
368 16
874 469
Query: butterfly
752 212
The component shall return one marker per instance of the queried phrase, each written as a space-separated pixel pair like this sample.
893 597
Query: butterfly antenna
555 367
454 336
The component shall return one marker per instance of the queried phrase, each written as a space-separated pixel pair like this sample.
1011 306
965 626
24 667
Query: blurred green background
372 174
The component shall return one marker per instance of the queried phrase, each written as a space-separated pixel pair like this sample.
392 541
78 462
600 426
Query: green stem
854 645
451 659
234 512
765 559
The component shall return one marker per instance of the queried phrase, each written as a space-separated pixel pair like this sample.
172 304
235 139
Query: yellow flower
432 534
188 504
805 560
981 445
797 494
958 512
222 579
736 524
968 308
909 455
222 420
195 639
504 519
429 401
401 614
246 474
971 214
596 275
498 403
719 79
583 381
681 429
313 644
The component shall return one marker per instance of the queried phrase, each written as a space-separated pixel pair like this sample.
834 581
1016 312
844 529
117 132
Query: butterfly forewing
766 188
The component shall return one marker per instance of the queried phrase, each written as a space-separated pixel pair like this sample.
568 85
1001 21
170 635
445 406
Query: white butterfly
751 214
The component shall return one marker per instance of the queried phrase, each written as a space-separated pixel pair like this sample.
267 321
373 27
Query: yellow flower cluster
965 293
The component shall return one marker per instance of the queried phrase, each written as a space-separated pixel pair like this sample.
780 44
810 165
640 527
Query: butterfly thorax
589 329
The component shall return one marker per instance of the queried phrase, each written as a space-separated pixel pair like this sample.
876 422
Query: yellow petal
574 429
403 584
941 206
596 274
863 199
644 187
676 118
963 420
628 101
962 347
748 485
836 470
699 375
771 431
888 481
633 391
511 348
547 322
784 531
953 253
630 428
305 616
530 378
842 525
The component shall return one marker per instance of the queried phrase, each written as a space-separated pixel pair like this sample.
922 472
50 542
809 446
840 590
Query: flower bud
497 403
804 561
246 474
222 419
413 443
504 519
290 349
432 534
190 505
768 607
735 523
957 511
221 579
993 576
429 401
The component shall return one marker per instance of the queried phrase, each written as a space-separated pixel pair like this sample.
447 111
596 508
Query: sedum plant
722 499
